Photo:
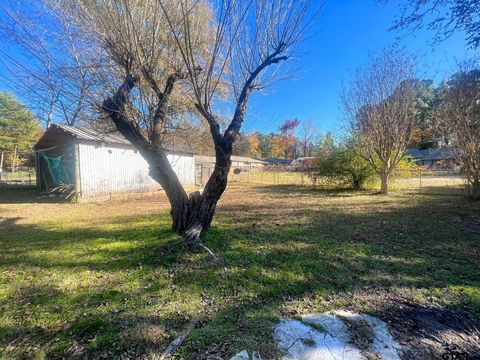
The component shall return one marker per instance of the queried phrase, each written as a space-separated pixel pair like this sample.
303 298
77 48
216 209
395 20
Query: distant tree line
388 110
294 138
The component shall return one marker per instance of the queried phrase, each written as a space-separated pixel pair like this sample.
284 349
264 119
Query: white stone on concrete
383 343
327 337
301 342
256 356
332 324
242 355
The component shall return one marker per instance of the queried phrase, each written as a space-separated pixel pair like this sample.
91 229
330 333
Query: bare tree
458 110
380 107
252 38
173 53
45 67
444 17
308 131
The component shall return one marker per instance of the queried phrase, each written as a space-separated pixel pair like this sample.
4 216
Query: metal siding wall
106 170
184 167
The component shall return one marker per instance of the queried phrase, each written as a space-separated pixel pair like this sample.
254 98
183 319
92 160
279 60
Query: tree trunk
14 159
197 214
191 214
384 177
473 187
51 110
357 184
1 165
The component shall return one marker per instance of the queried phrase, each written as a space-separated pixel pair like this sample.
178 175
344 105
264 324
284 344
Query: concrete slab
327 336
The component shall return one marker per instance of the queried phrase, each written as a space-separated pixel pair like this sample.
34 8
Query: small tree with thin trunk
380 107
339 163
458 111
287 131
308 131
171 52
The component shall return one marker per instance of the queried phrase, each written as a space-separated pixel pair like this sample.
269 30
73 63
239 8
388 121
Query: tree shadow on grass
77 291
127 243
451 190
281 260
417 246
28 196
102 325
282 256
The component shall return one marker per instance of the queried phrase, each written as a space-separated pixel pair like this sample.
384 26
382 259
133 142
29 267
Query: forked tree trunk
195 215
191 214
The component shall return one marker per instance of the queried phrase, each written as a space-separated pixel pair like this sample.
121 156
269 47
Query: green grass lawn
94 280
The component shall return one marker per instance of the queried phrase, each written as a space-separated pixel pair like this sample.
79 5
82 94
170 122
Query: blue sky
348 31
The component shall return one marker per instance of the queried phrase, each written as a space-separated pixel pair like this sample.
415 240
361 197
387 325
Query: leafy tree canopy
341 163
18 126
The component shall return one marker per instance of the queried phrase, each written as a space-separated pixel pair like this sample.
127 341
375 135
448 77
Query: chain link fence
408 179
271 177
428 180
21 178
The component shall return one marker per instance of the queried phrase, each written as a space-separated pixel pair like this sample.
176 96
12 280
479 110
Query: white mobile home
99 163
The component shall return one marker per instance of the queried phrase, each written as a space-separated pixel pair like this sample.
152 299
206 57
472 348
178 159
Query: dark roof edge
93 136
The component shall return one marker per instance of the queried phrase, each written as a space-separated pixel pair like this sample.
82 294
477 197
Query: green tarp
61 169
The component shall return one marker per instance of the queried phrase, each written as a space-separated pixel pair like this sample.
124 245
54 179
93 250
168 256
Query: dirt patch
215 351
431 332
362 335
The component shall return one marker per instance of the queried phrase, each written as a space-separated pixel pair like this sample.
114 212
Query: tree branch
114 107
236 124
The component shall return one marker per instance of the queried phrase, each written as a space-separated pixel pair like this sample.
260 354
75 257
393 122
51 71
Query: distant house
204 166
443 158
272 161
303 163
96 163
